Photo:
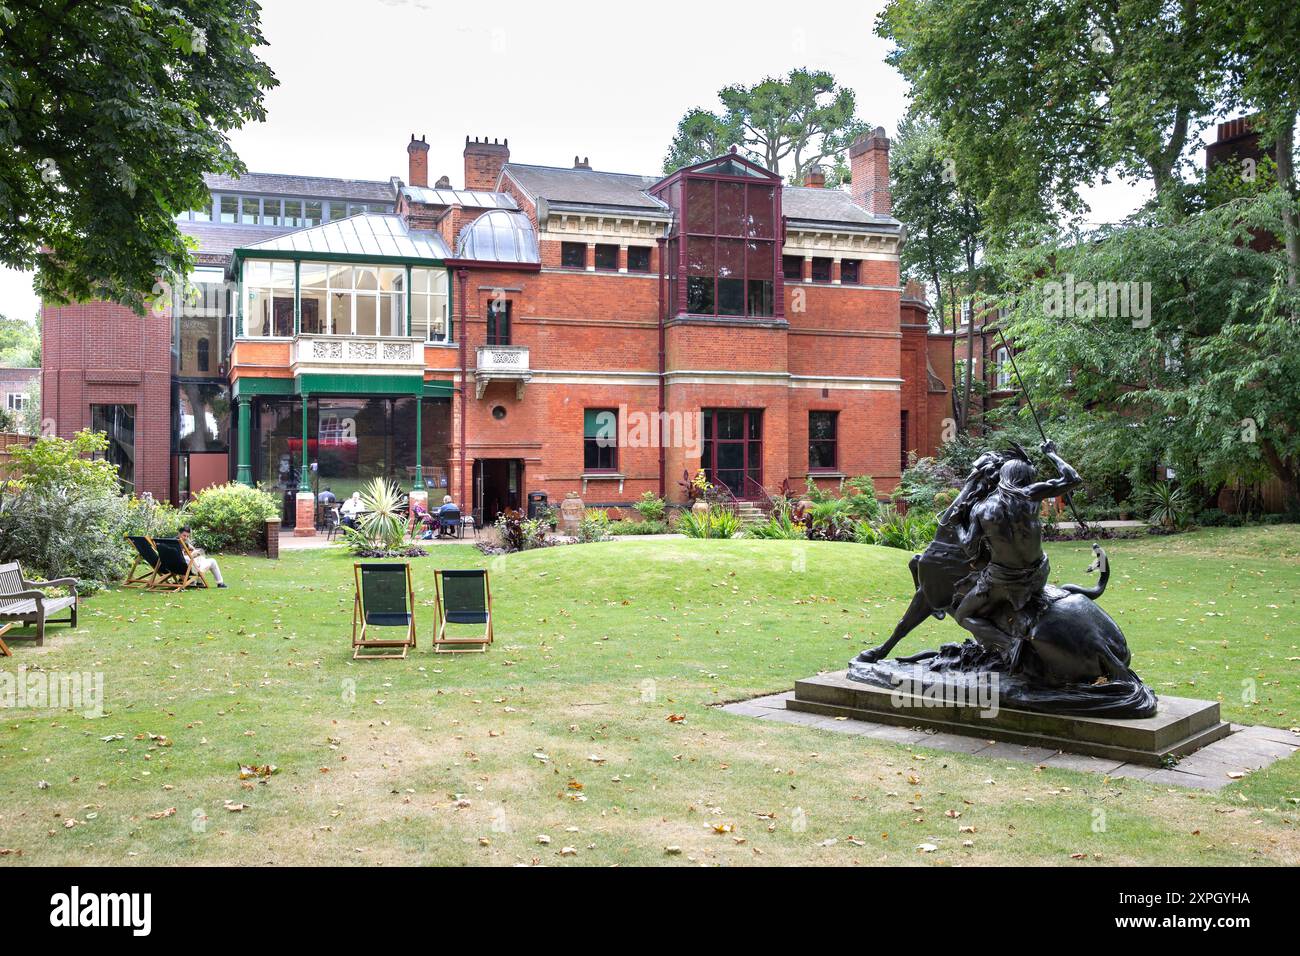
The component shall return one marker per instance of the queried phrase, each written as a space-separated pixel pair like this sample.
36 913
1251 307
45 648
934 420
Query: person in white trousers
200 562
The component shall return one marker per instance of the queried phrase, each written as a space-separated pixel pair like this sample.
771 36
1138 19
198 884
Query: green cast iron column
244 472
419 445
304 479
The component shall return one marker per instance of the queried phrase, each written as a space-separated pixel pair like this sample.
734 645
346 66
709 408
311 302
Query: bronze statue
1052 648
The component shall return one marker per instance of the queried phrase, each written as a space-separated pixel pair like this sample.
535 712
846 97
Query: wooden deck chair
146 553
4 648
384 598
174 571
462 597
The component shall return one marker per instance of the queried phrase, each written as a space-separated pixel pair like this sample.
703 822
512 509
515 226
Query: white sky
602 80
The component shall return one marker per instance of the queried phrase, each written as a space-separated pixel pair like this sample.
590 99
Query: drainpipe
663 465
462 277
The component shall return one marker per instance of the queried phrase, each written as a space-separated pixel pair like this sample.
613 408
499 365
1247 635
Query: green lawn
563 728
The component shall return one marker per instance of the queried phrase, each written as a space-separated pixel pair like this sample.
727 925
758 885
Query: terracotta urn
571 511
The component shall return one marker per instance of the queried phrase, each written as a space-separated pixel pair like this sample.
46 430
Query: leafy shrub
65 515
910 532
1165 503
517 533
922 480
638 527
58 530
231 517
717 522
154 519
943 499
780 526
860 498
381 528
594 526
650 507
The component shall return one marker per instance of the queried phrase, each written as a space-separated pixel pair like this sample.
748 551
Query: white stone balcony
315 354
502 363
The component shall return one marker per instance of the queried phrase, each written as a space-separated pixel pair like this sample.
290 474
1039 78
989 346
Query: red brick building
542 329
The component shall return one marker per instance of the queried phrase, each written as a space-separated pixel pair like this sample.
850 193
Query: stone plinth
1180 726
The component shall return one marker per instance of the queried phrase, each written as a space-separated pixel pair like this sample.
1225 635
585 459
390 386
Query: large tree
801 120
20 342
1038 97
110 114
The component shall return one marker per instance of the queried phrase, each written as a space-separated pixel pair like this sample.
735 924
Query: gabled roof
459 197
368 235
564 188
309 187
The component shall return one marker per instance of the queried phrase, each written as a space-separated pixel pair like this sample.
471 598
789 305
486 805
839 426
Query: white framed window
429 304
16 401
268 299
344 299
1003 360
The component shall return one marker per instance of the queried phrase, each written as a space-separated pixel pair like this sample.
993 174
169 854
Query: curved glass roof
499 236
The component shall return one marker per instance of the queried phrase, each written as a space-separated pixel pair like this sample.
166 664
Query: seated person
448 516
420 516
351 510
199 562
326 497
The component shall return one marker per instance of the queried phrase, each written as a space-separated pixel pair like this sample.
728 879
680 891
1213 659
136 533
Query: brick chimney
584 163
417 160
483 162
815 177
869 167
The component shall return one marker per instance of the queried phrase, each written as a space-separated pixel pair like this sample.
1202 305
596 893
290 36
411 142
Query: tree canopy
799 121
110 114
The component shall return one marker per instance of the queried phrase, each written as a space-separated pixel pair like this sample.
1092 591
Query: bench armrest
52 583
37 596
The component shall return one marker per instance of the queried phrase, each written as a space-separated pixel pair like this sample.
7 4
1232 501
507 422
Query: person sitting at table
200 563
351 510
448 516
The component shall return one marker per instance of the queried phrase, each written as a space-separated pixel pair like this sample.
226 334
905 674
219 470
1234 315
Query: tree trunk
1286 473
970 366
1282 149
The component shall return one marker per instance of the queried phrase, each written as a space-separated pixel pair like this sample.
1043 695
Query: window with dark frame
118 423
599 440
792 268
731 229
573 255
498 322
606 256
823 445
850 271
821 269
638 258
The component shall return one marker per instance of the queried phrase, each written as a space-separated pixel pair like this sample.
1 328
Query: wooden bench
24 602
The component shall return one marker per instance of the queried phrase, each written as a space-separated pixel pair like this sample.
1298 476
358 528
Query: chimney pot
417 161
483 162
815 177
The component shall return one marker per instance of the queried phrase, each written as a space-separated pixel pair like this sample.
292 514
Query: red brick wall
101 353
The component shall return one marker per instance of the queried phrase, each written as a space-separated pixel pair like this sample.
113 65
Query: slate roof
587 187
218 240
308 187
563 189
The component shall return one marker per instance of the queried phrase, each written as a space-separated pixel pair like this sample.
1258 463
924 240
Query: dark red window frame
721 441
606 250
819 443
635 262
850 271
567 249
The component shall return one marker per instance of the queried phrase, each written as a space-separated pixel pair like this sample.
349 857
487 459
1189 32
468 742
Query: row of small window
289 213
573 255
600 440
337 299
850 269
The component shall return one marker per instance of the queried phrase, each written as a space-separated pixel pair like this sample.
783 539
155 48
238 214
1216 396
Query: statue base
1179 726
